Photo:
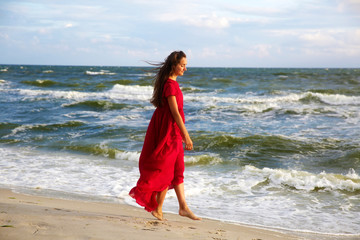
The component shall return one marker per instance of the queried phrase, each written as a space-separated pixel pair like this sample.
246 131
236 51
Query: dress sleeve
170 90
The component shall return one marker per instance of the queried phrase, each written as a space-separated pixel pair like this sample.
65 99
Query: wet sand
34 217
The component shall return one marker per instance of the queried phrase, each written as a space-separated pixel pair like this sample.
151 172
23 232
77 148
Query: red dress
161 162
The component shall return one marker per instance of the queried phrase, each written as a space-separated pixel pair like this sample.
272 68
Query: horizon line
139 66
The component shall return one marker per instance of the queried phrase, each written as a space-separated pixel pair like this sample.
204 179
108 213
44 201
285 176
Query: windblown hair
163 71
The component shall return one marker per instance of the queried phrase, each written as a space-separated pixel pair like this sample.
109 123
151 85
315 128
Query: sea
273 147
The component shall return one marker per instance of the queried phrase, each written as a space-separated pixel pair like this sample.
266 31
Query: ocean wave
6 129
342 91
96 149
40 83
267 197
128 156
222 80
135 89
204 159
102 72
306 103
122 92
145 74
42 127
97 105
279 197
48 71
64 172
103 149
279 150
7 125
246 101
338 99
106 150
332 99
273 143
34 94
122 81
190 90
305 181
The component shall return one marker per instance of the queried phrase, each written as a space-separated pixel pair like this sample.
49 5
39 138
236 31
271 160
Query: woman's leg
184 210
160 200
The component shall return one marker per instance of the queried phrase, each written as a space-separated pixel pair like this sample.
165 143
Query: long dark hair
163 71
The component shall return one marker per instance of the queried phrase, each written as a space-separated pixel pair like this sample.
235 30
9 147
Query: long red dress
161 162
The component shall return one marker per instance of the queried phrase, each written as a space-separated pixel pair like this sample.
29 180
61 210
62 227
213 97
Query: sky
212 33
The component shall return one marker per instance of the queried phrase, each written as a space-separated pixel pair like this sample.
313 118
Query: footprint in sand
39 226
149 229
155 223
60 209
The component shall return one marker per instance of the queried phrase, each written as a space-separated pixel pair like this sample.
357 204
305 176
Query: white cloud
196 20
209 21
208 52
4 36
85 50
319 38
260 50
35 41
322 42
212 31
43 30
139 54
349 6
257 10
106 38
69 25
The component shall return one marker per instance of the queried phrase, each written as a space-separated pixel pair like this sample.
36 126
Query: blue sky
213 33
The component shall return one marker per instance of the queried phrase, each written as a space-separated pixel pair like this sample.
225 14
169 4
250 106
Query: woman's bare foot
158 215
188 213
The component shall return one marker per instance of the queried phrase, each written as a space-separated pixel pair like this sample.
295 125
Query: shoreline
25 216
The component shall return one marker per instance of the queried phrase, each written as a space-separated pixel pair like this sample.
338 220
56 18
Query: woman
161 162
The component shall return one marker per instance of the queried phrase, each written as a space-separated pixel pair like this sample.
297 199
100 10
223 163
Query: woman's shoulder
172 83
171 87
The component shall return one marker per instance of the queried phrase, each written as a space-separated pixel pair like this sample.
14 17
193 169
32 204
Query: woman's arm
179 121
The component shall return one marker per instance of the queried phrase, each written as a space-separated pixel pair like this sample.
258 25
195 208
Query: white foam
21 128
353 175
146 74
48 71
131 92
282 103
276 198
302 180
203 158
333 99
129 156
102 72
245 103
244 99
26 127
64 172
40 81
118 92
207 159
338 99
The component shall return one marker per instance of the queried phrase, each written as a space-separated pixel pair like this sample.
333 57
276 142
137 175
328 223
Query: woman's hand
188 143
179 121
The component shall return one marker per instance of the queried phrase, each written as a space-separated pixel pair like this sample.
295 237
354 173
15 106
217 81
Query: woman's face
181 67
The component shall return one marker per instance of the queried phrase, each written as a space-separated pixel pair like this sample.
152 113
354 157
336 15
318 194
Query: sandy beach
34 217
